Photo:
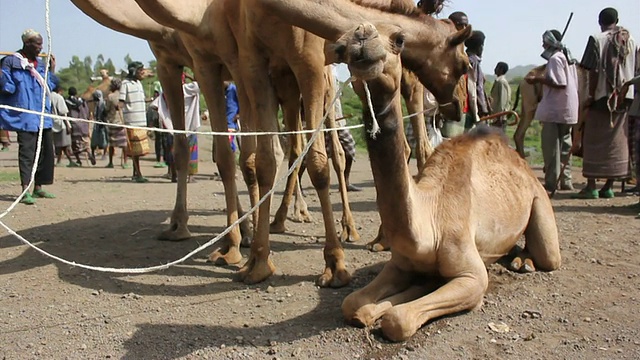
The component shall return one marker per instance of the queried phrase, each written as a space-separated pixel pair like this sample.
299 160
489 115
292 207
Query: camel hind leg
542 247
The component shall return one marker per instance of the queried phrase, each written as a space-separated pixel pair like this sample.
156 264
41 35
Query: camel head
441 66
369 51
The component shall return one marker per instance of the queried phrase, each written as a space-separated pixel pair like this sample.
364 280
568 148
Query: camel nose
365 31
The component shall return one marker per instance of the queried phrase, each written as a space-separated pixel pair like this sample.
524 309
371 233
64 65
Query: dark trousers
159 145
27 142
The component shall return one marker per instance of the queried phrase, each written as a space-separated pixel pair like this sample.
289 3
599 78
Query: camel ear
459 36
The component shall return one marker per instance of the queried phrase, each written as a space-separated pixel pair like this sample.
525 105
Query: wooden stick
503 113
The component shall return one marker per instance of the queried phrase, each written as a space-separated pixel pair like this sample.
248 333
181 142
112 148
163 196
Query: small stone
493 341
270 289
296 352
95 293
83 347
587 319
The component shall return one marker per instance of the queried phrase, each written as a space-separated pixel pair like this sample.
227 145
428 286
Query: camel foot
277 227
362 317
377 245
225 256
522 263
302 216
175 233
334 278
398 325
255 271
349 234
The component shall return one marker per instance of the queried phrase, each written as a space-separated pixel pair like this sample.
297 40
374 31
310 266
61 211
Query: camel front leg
466 284
289 95
264 109
413 94
360 307
300 209
170 78
349 232
213 90
311 83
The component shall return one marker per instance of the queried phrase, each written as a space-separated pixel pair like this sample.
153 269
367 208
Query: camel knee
358 310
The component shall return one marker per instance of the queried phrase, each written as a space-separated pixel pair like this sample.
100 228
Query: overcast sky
513 28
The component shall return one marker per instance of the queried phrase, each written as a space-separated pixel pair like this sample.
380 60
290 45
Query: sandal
606 194
72 164
43 194
141 179
27 199
586 194
109 166
126 166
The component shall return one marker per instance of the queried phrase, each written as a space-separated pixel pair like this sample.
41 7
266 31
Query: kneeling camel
466 209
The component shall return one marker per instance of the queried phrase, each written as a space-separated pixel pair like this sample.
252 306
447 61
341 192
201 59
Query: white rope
210 242
34 169
175 131
375 128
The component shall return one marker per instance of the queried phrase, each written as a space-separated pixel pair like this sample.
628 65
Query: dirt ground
589 309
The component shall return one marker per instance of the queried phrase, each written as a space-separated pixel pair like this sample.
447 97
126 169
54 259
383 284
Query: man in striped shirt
132 101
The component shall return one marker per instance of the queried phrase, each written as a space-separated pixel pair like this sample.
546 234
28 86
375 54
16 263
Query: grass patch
9 176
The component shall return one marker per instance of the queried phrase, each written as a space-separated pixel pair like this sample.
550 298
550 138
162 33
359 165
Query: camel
531 96
465 210
286 47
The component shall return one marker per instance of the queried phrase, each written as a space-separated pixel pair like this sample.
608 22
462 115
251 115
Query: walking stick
503 113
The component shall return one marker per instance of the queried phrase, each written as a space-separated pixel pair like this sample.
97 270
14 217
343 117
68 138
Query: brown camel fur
531 96
466 209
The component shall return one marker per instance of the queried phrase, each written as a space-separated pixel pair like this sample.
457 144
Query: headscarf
100 104
554 43
133 67
29 34
115 84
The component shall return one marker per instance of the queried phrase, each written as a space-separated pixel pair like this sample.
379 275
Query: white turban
29 34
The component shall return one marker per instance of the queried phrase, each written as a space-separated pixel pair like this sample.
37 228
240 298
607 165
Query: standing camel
172 56
466 209
433 44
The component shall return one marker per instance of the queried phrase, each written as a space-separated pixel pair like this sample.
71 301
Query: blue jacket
231 96
18 88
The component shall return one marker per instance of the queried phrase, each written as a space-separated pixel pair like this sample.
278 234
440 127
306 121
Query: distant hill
518 71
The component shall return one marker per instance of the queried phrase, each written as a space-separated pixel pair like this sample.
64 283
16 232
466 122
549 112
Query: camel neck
391 174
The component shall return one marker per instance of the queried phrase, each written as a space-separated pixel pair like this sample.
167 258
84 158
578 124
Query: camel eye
399 41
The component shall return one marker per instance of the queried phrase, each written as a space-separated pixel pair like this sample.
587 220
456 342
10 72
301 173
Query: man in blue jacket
22 85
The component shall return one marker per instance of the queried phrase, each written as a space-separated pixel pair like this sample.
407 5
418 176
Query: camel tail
515 104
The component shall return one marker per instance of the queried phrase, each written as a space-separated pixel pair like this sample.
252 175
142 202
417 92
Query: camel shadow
172 341
129 240
599 207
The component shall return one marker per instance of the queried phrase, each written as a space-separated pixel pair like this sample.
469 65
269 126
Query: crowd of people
609 141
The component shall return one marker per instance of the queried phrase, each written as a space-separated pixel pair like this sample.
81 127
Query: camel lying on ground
465 210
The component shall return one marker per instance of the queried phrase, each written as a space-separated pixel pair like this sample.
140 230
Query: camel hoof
175 233
376 247
334 279
256 271
302 217
231 257
277 227
349 234
522 264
